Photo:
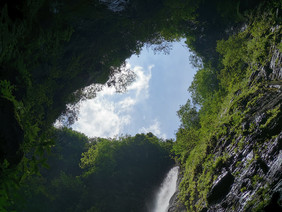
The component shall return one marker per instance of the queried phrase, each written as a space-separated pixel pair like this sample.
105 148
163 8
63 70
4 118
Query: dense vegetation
225 95
50 50
96 174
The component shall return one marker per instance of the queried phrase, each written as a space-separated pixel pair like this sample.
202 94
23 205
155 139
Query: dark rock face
276 65
11 134
275 203
256 168
251 178
220 188
272 72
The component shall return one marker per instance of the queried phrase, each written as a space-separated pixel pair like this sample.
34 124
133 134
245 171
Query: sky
150 103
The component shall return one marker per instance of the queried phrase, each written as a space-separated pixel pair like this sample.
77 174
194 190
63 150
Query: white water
165 192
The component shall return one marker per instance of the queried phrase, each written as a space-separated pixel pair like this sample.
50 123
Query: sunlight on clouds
107 91
98 118
148 104
110 113
142 81
126 104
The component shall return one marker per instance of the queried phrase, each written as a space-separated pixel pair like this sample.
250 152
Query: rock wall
251 177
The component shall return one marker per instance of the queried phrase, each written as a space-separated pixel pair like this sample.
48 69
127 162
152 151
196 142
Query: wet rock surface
257 164
251 177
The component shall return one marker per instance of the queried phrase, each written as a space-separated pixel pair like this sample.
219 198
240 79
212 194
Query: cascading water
167 189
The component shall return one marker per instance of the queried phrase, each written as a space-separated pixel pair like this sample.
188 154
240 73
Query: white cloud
99 118
141 84
107 91
109 113
126 104
154 128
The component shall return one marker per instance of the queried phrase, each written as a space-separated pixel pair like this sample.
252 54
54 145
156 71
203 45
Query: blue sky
151 101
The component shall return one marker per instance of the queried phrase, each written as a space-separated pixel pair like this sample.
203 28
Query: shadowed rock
220 188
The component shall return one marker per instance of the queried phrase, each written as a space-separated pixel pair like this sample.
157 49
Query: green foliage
220 161
116 175
280 47
54 186
250 47
256 179
189 116
257 204
123 172
204 85
51 50
225 98
99 157
233 50
7 90
8 184
271 115
186 140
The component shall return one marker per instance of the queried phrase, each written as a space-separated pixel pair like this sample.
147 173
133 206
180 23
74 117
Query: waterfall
166 191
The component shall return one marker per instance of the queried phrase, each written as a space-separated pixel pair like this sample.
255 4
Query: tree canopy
97 174
51 50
